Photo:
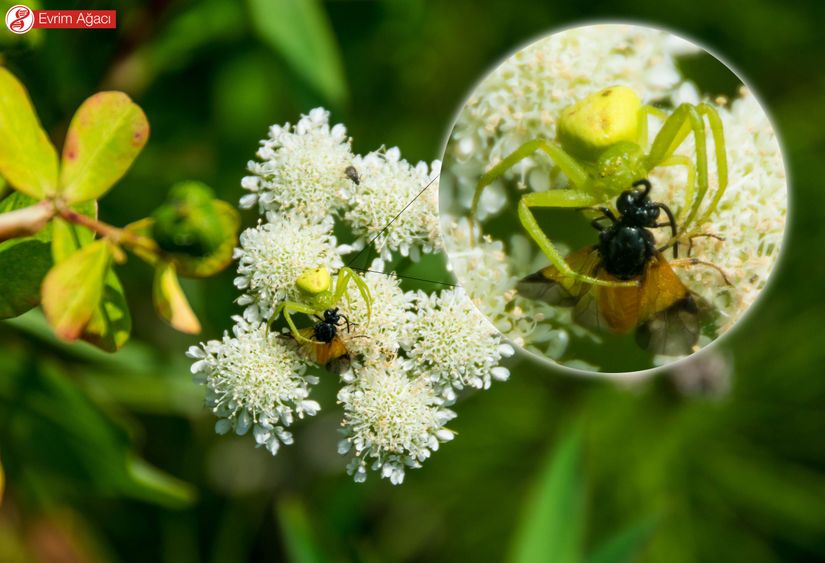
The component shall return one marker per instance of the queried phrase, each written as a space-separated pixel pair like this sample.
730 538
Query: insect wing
673 331
554 288
625 308
326 352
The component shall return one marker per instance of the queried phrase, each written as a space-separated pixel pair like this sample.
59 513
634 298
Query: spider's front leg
346 274
566 163
685 119
289 307
559 198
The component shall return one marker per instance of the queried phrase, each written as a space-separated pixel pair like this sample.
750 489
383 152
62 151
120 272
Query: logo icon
19 19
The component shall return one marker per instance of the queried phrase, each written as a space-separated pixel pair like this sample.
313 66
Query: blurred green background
546 467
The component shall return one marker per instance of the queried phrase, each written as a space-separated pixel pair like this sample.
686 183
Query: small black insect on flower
352 174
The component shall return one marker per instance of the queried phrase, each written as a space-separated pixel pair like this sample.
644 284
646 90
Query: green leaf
553 519
155 486
69 448
296 529
300 31
625 546
170 301
24 263
107 133
73 289
111 323
28 160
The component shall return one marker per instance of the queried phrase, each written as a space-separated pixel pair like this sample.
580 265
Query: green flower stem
115 234
26 221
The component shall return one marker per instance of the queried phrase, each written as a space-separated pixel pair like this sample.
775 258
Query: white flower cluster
254 381
405 361
522 99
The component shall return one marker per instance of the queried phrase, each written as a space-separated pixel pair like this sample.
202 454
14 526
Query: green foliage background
546 467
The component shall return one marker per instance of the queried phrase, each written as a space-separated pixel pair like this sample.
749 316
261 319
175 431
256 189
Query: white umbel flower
391 422
387 185
255 381
302 168
274 254
377 337
453 344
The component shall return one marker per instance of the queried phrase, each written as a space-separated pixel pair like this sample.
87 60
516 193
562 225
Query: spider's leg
566 163
684 119
341 282
644 111
606 214
700 235
718 133
690 188
289 307
558 198
687 262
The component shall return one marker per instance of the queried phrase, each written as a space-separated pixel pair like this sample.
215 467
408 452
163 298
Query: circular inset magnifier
613 198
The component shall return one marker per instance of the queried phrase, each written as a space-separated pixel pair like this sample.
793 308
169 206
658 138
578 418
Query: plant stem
115 234
26 221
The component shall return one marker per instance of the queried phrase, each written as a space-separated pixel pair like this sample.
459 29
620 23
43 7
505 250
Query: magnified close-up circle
613 198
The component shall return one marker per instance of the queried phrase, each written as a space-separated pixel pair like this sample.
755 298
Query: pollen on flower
387 185
254 381
376 336
392 421
302 168
453 344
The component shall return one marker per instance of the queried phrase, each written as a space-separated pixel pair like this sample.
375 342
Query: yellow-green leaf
170 301
105 136
73 289
28 160
111 324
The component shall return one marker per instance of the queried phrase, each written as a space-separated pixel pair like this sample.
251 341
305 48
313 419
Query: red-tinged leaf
105 136
73 289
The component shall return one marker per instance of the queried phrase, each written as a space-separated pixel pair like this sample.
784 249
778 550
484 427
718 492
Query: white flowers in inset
394 192
522 100
302 169
255 381
392 421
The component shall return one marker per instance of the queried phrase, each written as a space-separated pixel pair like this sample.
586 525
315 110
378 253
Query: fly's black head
331 316
635 206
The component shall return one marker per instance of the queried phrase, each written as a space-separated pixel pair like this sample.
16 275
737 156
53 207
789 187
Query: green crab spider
599 148
321 295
